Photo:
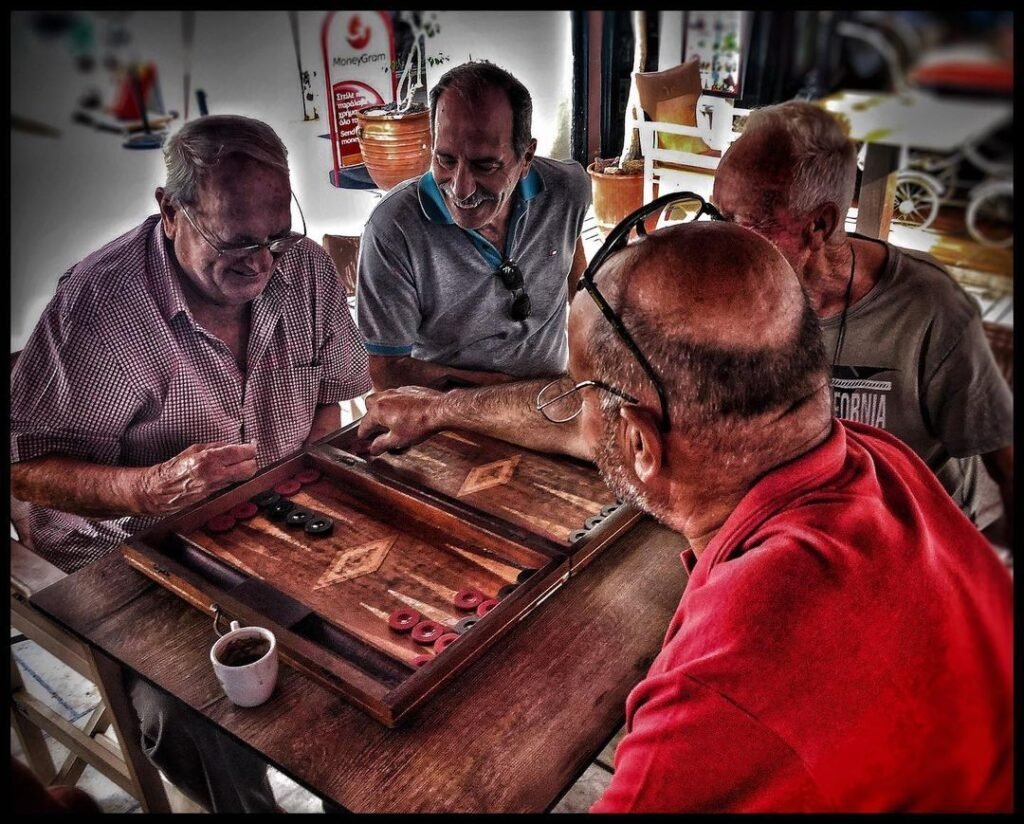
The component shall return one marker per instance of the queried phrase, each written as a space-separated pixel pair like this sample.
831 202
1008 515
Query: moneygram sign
358 49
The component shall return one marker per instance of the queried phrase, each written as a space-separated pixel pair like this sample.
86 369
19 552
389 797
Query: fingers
397 418
225 453
380 406
386 442
217 466
369 425
241 471
231 453
197 472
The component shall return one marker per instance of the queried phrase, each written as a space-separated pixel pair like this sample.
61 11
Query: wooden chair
127 767
123 763
668 170
344 251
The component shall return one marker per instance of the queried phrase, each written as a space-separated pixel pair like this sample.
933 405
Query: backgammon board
384 577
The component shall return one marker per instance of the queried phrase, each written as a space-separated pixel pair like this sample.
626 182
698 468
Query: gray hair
824 158
713 390
471 80
201 144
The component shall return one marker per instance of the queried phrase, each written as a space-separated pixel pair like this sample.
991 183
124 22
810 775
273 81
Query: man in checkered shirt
178 359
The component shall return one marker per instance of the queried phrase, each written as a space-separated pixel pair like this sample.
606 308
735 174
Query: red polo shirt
844 644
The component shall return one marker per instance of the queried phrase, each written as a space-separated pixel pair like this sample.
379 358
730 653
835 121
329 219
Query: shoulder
102 277
309 255
397 207
310 273
928 293
919 270
562 174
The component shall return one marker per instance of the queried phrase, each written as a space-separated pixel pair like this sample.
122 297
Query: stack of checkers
431 633
594 520
277 507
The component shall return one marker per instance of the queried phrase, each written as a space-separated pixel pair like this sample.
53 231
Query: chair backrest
344 251
667 170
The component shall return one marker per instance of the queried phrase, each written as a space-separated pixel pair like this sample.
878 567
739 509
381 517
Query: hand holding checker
397 418
194 474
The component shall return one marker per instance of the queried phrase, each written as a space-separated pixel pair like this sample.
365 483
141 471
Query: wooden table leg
146 777
877 190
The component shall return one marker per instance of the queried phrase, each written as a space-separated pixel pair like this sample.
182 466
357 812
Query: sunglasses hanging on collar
512 279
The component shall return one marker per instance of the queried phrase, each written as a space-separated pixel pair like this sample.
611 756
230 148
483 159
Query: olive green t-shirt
915 361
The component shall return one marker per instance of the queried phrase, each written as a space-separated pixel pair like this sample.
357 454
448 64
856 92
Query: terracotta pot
615 196
394 147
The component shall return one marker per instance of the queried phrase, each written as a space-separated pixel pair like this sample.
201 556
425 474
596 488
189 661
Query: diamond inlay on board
356 561
489 475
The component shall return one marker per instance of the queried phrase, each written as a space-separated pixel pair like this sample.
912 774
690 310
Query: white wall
73 193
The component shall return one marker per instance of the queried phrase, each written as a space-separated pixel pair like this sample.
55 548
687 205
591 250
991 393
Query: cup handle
216 621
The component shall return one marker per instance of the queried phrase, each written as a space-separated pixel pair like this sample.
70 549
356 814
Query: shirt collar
163 276
436 211
689 559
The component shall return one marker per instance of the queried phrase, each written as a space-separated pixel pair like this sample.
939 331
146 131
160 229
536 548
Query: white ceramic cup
248 682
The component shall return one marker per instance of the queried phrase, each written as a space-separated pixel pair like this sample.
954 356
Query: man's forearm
80 487
509 412
100 491
392 372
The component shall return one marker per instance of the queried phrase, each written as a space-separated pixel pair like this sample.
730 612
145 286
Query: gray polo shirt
428 288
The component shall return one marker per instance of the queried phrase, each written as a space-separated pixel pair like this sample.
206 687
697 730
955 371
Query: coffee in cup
245 662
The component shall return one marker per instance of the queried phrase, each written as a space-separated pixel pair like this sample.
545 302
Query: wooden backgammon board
383 578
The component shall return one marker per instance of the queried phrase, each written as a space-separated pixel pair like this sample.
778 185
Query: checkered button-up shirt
118 372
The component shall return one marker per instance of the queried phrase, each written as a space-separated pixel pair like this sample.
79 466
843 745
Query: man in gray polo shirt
464 273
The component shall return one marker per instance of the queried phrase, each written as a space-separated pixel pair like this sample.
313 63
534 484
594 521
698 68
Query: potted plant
395 140
618 182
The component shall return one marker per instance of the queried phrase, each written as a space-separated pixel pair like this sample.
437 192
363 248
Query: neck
701 504
228 323
826 273
826 276
206 311
219 319
497 229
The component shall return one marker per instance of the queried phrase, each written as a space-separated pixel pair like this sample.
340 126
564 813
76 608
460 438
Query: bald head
724 285
721 316
730 336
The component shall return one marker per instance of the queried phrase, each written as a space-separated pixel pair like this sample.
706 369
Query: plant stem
631 136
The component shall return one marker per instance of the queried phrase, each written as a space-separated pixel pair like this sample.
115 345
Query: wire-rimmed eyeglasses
512 278
617 239
276 247
562 407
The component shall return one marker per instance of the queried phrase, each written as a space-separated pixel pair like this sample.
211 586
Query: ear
642 444
167 213
528 155
822 225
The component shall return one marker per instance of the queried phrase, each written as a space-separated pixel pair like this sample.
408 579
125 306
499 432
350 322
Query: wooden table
891 124
510 734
